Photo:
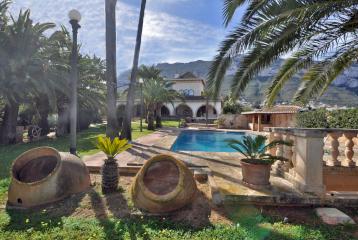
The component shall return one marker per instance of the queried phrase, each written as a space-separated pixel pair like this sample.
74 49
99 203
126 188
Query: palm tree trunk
44 109
8 127
110 176
111 73
127 131
158 119
63 120
150 117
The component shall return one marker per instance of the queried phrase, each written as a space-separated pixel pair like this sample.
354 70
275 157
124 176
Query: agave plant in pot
257 163
111 148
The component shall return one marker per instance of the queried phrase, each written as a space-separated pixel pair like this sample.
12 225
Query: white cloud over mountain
166 38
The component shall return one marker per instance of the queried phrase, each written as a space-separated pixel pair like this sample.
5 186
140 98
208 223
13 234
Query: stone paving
225 170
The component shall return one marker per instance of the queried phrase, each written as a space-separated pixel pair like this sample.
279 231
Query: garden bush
322 118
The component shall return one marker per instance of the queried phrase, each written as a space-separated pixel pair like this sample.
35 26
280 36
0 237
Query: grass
252 226
247 221
85 144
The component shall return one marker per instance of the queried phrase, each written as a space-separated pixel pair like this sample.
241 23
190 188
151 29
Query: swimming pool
205 141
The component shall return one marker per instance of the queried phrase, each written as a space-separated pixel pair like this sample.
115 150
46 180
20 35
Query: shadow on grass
43 217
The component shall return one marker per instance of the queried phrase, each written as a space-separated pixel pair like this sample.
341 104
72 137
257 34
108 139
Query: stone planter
44 175
164 184
256 176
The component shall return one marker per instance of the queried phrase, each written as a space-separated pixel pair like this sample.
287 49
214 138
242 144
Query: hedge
322 118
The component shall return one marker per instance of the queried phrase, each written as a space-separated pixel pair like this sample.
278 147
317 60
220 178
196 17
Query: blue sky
174 30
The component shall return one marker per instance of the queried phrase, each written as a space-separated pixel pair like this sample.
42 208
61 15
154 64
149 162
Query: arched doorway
165 111
184 111
212 113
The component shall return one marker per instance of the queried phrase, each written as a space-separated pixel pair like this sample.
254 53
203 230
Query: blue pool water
205 141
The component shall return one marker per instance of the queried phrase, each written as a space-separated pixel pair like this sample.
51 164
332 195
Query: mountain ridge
343 92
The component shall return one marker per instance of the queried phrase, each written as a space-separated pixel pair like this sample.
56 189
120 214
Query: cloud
166 38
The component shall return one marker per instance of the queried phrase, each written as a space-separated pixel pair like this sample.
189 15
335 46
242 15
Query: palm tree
126 130
157 91
22 69
4 4
147 73
111 74
319 35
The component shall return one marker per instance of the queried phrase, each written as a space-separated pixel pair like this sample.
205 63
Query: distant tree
155 93
22 69
321 37
127 129
231 106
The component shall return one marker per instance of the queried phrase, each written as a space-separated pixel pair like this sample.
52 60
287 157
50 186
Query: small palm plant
255 149
111 148
257 163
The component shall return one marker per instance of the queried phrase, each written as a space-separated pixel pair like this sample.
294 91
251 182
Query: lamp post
141 103
75 18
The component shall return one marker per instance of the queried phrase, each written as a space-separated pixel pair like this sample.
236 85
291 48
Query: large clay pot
255 175
164 184
44 175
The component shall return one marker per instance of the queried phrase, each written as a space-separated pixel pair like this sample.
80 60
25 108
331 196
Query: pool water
205 141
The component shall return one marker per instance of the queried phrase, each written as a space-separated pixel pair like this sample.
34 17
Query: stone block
333 216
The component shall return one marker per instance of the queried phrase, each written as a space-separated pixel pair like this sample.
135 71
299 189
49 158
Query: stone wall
232 121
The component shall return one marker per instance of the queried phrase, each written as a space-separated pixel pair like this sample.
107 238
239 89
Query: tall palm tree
157 91
126 130
111 74
22 69
320 35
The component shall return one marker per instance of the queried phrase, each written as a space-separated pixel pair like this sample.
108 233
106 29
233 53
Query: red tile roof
276 109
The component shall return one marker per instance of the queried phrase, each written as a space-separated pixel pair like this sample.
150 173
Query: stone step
333 216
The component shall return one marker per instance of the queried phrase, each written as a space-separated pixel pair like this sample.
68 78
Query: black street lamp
141 103
75 18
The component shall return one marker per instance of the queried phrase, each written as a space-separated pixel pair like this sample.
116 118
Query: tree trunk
127 131
158 119
150 117
111 73
110 176
8 127
63 120
44 110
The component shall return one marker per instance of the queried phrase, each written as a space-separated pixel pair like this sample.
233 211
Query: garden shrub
322 118
230 106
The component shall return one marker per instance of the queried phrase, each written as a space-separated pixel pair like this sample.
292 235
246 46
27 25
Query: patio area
223 172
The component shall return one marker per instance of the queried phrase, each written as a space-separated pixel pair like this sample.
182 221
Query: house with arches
193 105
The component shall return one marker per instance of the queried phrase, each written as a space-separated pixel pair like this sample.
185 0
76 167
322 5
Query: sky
174 30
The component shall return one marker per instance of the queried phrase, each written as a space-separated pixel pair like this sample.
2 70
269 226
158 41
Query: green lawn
85 144
247 222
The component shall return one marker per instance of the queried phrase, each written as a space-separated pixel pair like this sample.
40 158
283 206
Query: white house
194 103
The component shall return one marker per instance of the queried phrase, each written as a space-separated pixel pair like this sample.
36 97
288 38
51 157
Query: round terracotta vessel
164 184
44 175
255 175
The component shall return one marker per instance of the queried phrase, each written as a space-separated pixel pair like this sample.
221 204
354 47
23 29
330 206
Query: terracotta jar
44 175
163 184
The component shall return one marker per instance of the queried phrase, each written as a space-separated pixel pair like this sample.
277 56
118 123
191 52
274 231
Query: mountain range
343 91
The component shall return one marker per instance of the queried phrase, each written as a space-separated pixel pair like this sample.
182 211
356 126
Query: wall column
259 123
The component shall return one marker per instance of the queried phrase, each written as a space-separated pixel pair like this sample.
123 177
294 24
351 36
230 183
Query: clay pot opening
161 177
36 165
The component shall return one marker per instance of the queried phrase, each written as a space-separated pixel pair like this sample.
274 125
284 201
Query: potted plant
109 170
257 163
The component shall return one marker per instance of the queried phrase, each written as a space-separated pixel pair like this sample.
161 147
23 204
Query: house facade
193 104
